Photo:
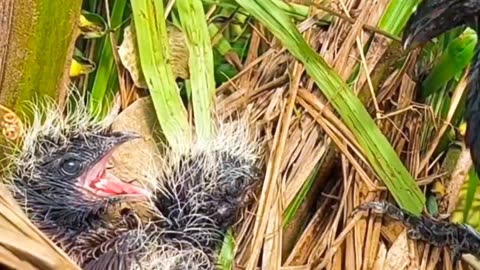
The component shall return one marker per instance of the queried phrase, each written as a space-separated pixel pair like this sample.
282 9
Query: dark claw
434 17
456 256
382 207
460 238
377 207
414 235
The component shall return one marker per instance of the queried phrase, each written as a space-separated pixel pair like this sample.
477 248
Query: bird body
434 17
60 178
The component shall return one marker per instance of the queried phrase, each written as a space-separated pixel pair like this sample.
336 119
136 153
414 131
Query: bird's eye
71 166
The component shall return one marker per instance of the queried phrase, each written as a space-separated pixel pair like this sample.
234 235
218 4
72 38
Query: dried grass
305 138
321 235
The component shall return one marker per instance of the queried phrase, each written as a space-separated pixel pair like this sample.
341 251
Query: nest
315 172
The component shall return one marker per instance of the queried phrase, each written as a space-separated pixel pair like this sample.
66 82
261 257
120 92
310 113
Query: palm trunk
36 43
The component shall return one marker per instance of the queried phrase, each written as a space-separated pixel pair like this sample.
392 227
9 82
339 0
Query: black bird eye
71 166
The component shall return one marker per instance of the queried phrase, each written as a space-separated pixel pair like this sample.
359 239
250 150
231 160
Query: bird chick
198 195
59 176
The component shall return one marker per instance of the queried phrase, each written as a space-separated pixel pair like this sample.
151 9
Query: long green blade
375 146
106 65
453 61
396 15
202 78
154 53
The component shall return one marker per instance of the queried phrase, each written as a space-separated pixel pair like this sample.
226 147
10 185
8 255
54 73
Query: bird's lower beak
100 182
434 17
122 137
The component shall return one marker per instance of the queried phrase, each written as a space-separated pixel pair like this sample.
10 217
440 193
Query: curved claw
382 207
434 17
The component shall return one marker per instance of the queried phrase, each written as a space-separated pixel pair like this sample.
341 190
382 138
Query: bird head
434 17
60 173
80 163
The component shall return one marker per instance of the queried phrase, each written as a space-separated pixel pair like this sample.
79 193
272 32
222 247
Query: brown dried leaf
133 159
128 53
398 256
381 257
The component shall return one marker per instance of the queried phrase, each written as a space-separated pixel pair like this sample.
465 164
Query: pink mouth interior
98 181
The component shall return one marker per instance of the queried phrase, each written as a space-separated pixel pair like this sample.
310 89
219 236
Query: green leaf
396 15
35 63
194 24
291 210
373 143
453 61
222 45
154 53
224 72
293 9
106 71
471 188
432 205
226 258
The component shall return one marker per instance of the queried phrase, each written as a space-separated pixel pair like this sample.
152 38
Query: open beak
99 182
434 17
121 137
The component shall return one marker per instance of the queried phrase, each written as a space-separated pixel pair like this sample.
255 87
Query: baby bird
59 176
